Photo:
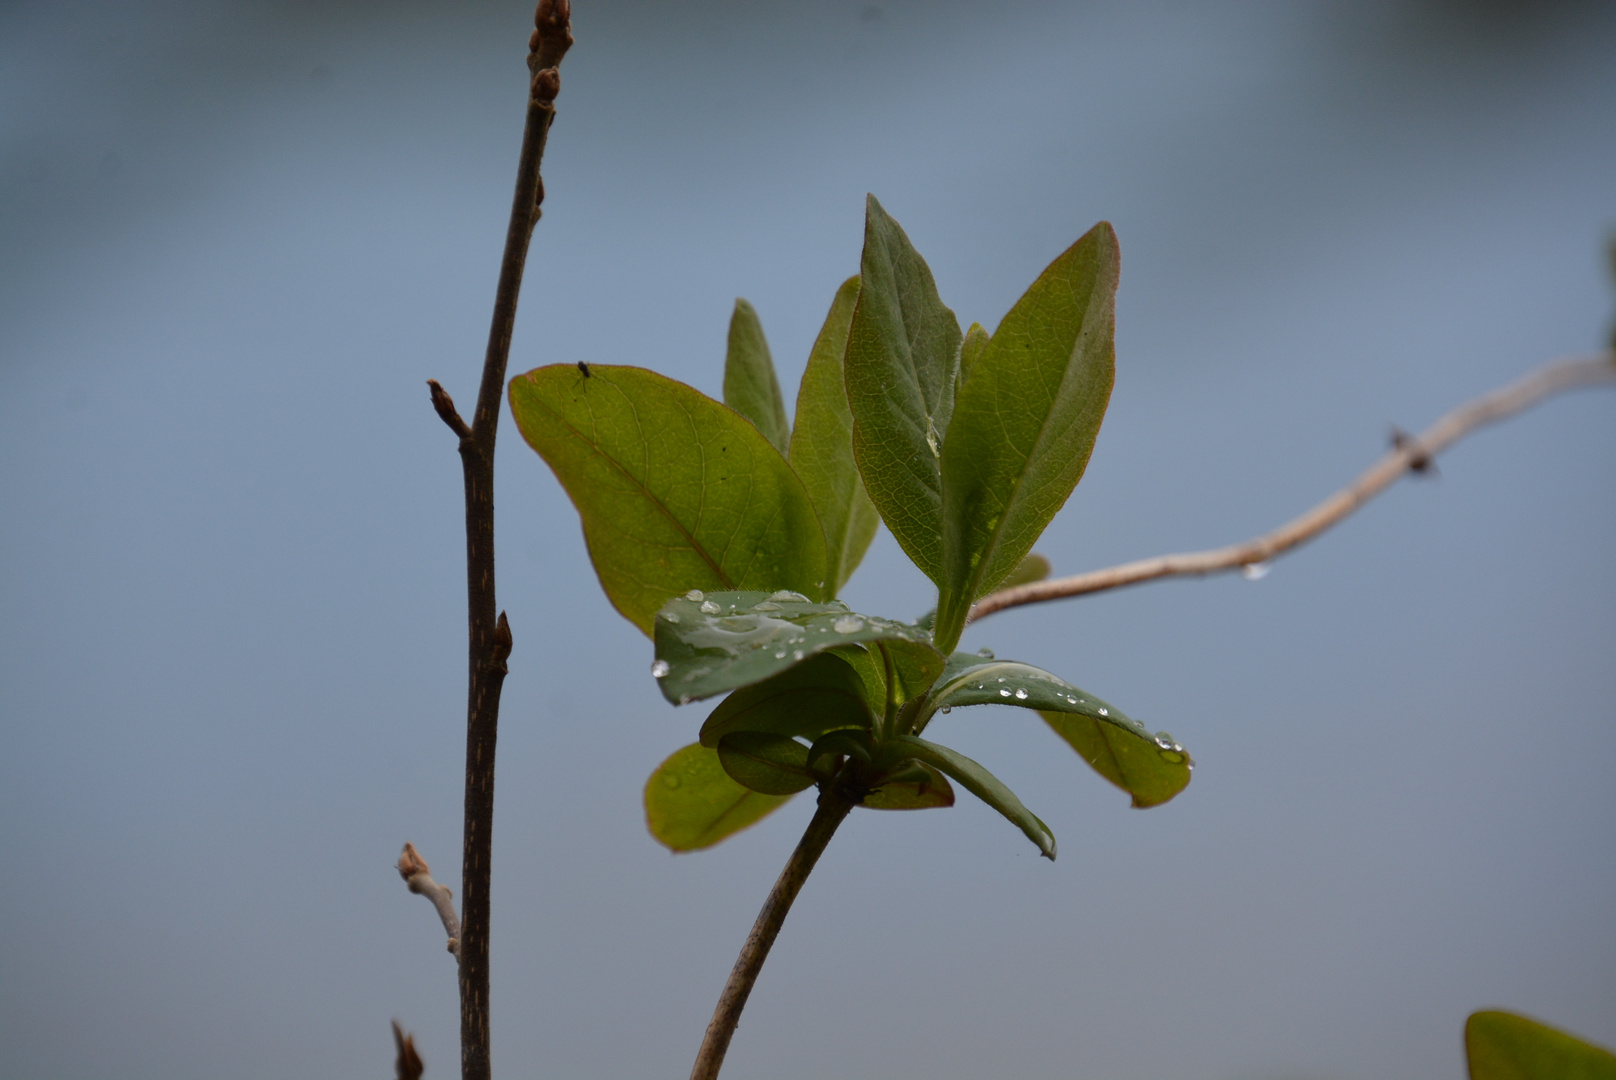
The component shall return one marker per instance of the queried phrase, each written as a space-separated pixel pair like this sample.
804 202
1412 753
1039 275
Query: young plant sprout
724 533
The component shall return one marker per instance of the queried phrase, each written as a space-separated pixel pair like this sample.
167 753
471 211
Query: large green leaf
691 802
902 352
823 693
750 386
1025 423
984 785
708 643
1150 767
1503 1046
822 446
675 490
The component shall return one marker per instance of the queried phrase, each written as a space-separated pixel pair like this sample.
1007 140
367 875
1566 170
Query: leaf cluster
724 531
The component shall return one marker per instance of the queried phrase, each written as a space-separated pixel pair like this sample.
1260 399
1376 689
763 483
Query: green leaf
920 787
1033 568
675 490
1025 423
1151 768
765 763
984 785
902 352
823 693
1503 1046
750 387
708 643
691 802
976 340
822 446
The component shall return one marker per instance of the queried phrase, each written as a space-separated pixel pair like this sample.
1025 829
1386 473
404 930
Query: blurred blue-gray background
237 238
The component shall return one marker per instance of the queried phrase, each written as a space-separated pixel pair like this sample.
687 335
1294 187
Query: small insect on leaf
583 368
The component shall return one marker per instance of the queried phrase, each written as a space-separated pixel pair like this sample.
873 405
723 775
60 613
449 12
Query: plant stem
1407 455
490 633
833 808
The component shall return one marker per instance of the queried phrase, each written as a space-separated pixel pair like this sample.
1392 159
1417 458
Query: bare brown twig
1407 454
489 632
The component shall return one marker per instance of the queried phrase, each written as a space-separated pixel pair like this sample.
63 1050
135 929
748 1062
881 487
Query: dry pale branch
417 877
1408 454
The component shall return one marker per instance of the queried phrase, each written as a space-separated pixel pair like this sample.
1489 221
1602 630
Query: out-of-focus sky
236 239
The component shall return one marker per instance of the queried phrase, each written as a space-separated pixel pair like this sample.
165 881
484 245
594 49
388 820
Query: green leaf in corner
1025 423
984 785
902 352
765 763
1151 768
823 693
1503 1046
710 643
691 802
675 490
822 446
750 387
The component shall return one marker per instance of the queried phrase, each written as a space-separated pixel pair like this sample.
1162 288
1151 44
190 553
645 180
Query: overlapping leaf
984 785
691 802
822 446
765 763
902 353
675 490
823 693
709 643
920 787
1025 423
750 385
1151 767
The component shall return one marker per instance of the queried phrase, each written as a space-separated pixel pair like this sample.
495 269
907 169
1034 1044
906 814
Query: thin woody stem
489 631
832 810
1407 454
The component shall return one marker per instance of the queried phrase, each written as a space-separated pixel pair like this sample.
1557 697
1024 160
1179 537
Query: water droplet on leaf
709 608
1256 571
659 669
695 596
986 654
848 624
1022 694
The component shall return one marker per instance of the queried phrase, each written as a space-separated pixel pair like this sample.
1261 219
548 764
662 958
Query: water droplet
1256 571
1071 700
765 606
1105 712
946 709
1171 755
789 597
797 655
781 655
695 596
660 669
709 608
986 654
737 624
1004 693
684 699
1022 694
848 624
671 617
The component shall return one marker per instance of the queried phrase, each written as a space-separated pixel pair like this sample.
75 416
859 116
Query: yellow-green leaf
750 385
691 802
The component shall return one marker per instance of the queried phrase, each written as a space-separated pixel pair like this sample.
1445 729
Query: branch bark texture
832 810
489 631
1407 454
